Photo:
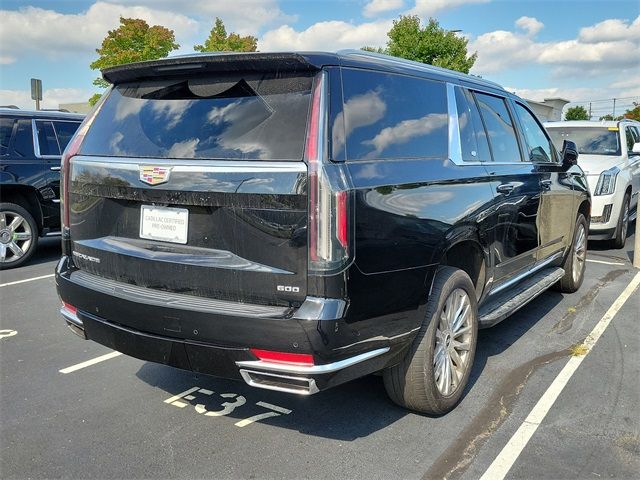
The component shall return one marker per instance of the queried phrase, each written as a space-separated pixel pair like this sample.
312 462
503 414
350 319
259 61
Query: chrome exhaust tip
279 382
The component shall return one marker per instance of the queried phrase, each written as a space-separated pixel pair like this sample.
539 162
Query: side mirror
636 148
569 153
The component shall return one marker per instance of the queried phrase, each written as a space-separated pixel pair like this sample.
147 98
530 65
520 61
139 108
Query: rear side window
64 132
6 129
47 141
497 121
227 116
473 137
631 138
23 142
392 116
539 147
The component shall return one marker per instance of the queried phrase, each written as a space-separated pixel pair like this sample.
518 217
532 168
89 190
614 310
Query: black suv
298 220
31 143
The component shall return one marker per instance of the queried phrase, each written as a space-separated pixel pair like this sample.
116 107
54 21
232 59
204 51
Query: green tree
430 44
633 113
374 49
219 41
133 41
576 113
609 118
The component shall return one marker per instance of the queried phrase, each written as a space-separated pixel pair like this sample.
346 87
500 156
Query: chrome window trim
455 144
312 369
191 165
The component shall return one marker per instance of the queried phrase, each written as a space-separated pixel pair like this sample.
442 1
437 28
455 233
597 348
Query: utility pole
614 108
589 110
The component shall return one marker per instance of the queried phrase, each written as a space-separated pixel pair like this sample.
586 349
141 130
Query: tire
622 228
573 277
23 237
412 383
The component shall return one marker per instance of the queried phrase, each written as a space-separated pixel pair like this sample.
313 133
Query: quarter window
391 116
632 138
497 121
47 141
539 147
473 136
64 132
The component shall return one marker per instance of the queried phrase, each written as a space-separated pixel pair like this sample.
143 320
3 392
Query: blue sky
580 50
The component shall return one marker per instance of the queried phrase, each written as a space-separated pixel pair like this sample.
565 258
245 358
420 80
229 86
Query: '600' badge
154 175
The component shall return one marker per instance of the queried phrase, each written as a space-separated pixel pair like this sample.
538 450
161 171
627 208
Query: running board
516 297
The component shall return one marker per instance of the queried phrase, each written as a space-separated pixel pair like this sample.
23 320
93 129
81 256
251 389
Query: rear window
589 140
252 117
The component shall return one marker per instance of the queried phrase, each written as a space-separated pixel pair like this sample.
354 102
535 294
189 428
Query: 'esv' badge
154 175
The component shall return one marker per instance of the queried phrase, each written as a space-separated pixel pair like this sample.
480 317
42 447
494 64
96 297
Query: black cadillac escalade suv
31 143
298 220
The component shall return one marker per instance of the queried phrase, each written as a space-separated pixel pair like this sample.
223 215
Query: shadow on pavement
48 249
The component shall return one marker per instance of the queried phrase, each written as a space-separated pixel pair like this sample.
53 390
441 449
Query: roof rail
418 66
14 107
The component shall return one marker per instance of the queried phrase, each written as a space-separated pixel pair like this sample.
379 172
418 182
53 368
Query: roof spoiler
210 62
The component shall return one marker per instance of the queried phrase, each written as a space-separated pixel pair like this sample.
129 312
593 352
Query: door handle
55 169
546 184
505 188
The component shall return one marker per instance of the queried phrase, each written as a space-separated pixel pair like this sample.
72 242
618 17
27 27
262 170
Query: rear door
516 187
197 185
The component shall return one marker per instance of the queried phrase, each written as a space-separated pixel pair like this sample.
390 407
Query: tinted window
497 121
473 137
6 128
631 138
64 132
589 140
392 116
256 116
23 142
47 138
539 147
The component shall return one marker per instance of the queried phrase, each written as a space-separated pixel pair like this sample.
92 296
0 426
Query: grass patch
578 350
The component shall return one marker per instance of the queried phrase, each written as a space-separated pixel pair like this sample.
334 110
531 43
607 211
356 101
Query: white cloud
51 98
330 35
530 25
428 8
54 34
375 7
241 16
611 30
609 50
6 59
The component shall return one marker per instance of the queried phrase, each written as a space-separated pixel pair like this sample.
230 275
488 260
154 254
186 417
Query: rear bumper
219 345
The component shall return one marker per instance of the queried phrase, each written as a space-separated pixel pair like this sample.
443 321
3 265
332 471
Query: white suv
610 157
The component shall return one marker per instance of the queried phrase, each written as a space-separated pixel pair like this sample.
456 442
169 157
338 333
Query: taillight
328 202
72 150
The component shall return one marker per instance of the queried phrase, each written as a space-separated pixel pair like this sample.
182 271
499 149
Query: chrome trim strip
455 145
310 389
526 273
191 166
71 317
312 369
181 301
315 308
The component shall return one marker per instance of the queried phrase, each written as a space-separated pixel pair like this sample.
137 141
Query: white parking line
88 363
602 261
26 280
509 454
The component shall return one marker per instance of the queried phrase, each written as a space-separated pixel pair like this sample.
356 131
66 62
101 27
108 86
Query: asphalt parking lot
124 418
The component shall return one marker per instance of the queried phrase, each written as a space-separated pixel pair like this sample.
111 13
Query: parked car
30 146
299 220
610 157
